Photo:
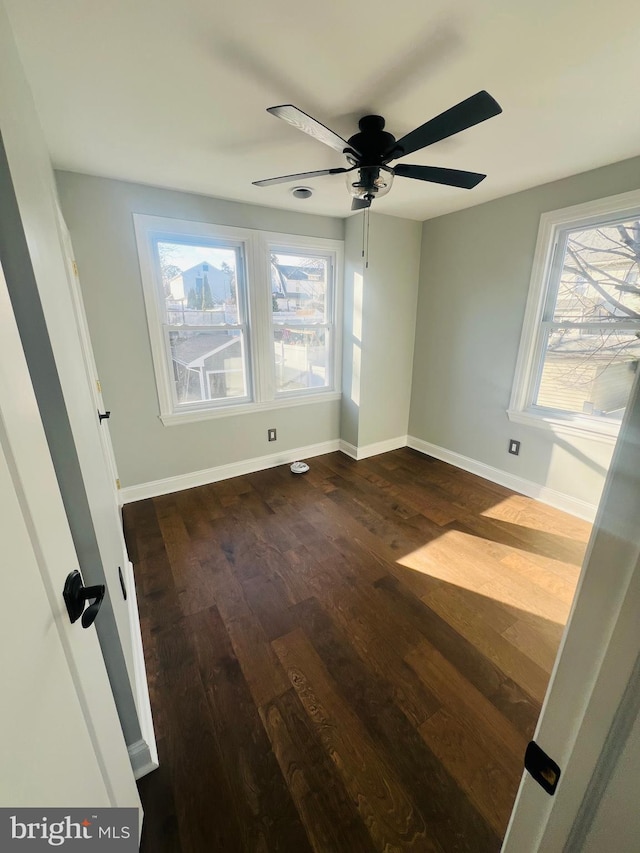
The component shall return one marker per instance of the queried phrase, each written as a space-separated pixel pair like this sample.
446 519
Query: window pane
208 365
599 278
299 288
301 357
199 283
588 372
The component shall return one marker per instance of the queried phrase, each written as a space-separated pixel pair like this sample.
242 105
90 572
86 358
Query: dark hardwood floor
348 660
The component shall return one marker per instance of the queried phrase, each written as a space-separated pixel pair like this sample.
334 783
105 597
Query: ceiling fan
370 151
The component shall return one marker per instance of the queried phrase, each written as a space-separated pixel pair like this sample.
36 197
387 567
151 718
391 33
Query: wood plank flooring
350 660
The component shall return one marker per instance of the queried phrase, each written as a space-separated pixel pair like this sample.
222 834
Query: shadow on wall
580 456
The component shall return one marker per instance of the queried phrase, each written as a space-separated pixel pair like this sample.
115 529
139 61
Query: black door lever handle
103 416
76 595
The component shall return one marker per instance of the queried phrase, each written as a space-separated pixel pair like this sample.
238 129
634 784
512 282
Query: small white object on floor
299 468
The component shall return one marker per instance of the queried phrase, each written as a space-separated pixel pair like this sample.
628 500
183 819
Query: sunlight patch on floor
436 560
515 510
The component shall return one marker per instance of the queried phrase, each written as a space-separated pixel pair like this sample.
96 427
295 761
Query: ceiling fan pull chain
366 258
365 237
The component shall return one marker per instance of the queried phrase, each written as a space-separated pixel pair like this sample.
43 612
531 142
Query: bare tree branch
627 239
630 256
583 270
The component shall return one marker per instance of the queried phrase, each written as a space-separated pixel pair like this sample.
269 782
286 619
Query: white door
592 690
102 484
62 744
89 362
69 334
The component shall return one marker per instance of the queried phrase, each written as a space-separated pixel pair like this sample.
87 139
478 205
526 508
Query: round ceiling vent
301 192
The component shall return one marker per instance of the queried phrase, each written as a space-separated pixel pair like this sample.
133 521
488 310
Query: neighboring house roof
294 281
194 350
193 279
301 273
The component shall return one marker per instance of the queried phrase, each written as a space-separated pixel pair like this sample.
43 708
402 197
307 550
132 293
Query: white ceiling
173 92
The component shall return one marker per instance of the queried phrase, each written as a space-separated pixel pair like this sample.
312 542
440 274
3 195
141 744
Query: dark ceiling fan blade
307 124
301 176
436 175
360 203
477 108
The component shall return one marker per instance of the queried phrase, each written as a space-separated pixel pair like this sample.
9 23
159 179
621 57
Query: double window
238 319
580 346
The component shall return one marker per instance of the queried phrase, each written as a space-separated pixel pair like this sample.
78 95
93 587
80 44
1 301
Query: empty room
320 422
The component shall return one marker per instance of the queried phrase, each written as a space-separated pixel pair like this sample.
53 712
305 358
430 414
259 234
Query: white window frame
257 318
531 353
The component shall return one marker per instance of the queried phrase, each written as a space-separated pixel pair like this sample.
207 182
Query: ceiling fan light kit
369 152
370 182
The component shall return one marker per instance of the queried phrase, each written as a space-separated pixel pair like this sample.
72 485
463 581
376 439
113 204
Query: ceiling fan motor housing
372 142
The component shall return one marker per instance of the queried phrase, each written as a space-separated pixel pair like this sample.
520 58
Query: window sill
577 427
195 415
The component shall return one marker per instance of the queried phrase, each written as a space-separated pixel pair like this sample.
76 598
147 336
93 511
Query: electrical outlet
514 447
271 434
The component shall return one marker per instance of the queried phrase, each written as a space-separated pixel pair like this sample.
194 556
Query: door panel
48 759
89 360
92 441
66 745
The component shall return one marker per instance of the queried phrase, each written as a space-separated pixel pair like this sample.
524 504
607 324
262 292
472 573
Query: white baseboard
224 472
559 500
367 450
348 449
143 754
142 761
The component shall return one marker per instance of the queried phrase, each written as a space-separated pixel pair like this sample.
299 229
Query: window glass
590 345
199 283
208 365
599 276
301 288
588 371
203 315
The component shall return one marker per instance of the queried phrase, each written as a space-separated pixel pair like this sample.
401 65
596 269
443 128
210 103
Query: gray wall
98 213
474 280
352 330
388 331
379 328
